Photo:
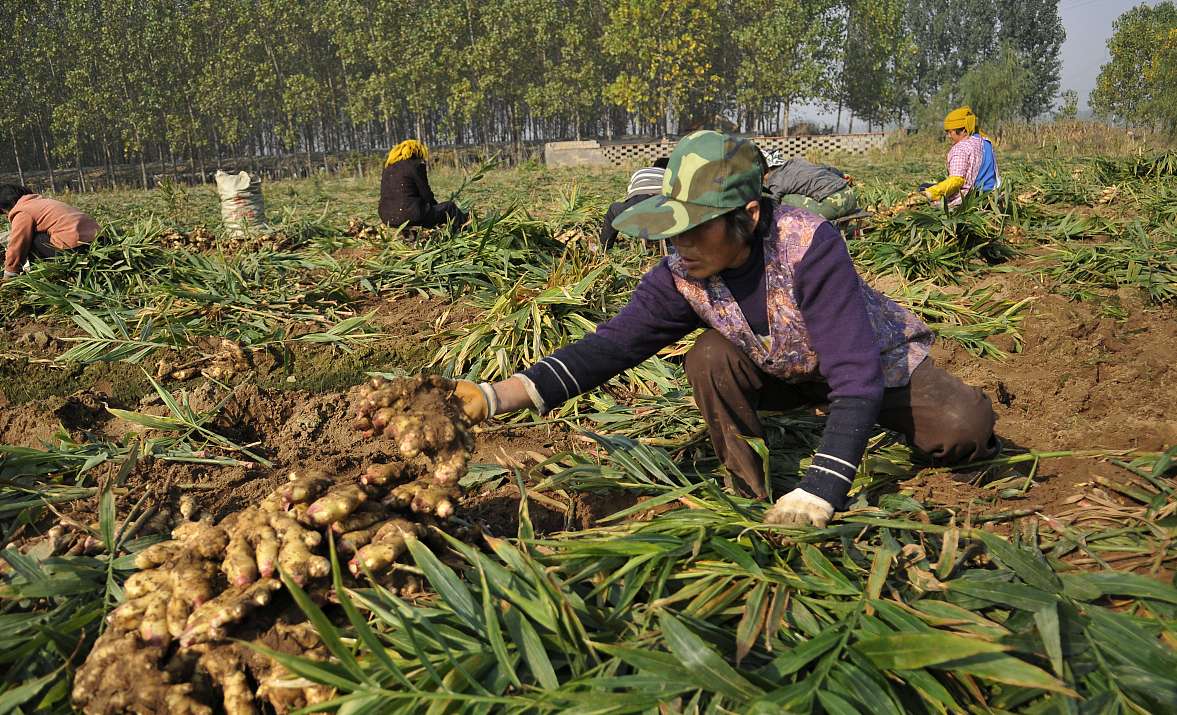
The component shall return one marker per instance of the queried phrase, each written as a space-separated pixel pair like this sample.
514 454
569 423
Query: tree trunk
306 138
16 155
143 168
109 162
48 161
78 163
197 159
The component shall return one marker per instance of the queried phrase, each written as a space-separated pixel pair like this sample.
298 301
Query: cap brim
661 217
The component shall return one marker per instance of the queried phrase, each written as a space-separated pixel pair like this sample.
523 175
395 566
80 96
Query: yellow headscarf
961 118
407 149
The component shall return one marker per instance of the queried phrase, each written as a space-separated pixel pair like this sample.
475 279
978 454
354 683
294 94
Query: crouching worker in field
789 323
824 190
40 227
644 183
972 165
405 196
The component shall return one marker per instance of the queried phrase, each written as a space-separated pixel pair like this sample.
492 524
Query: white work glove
800 508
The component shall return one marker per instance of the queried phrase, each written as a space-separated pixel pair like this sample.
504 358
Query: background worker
824 190
40 227
644 183
405 196
790 323
972 165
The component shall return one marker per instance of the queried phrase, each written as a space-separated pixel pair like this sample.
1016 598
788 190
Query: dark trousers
437 214
41 247
940 416
426 215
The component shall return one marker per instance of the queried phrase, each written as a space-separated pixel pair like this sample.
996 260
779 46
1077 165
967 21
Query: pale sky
1089 25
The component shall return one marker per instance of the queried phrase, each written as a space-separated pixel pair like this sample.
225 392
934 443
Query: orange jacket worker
41 227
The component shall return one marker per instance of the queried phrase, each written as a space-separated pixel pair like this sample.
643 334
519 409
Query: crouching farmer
972 163
823 190
789 323
405 195
40 227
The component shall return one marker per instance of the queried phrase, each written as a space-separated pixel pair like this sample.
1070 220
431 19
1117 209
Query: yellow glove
948 187
479 401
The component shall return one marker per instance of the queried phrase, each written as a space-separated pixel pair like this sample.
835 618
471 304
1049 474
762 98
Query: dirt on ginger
424 419
170 647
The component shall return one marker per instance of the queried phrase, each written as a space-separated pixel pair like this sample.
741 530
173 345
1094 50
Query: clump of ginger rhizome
174 645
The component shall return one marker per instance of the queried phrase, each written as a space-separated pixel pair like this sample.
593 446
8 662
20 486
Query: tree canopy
100 82
1139 84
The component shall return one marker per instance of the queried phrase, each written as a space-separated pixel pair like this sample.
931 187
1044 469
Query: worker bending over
643 184
824 190
788 323
405 196
40 227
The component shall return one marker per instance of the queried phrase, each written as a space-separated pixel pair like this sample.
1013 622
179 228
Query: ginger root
304 487
387 545
208 622
224 665
424 498
336 504
430 429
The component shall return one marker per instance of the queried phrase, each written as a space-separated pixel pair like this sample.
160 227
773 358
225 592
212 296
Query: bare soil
1082 381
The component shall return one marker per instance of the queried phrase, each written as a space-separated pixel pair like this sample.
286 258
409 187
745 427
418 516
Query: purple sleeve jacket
827 289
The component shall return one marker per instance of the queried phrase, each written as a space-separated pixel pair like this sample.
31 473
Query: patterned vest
904 340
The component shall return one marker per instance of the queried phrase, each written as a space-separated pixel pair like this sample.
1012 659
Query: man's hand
475 402
800 508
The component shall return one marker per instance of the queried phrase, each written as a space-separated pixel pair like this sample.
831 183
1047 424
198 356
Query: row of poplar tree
107 82
1138 85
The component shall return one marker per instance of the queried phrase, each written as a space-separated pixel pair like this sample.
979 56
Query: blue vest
987 174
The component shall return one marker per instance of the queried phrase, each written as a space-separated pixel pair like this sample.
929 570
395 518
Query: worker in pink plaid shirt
971 161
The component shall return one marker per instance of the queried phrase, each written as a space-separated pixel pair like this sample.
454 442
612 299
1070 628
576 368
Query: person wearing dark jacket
789 323
405 196
824 190
643 184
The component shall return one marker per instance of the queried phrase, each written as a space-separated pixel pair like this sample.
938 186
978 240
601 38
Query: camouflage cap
709 174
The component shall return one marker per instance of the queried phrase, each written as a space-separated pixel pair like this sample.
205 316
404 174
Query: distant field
593 562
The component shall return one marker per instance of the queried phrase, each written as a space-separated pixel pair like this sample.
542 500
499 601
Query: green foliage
131 295
1034 29
664 54
1068 107
791 45
997 90
1136 85
933 242
885 612
878 60
1142 261
955 38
